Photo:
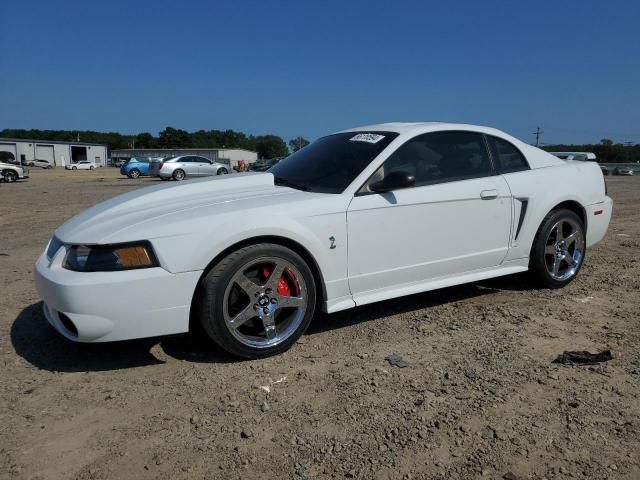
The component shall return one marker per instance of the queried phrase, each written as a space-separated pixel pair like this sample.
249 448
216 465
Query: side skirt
507 268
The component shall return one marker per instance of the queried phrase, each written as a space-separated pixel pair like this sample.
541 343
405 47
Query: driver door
456 219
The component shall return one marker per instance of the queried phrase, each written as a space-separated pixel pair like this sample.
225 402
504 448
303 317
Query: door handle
488 194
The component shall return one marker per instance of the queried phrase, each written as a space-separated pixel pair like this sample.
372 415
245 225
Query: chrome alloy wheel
265 302
564 249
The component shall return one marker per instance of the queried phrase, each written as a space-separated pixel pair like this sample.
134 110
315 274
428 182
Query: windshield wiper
288 183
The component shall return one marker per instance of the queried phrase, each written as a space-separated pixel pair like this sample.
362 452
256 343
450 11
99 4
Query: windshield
331 163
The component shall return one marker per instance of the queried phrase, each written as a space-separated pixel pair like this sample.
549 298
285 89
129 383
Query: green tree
270 146
297 143
145 140
606 142
174 138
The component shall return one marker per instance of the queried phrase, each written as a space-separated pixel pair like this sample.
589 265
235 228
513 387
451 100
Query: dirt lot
479 398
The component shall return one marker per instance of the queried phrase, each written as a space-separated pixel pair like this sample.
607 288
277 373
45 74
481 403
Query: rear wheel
179 174
10 176
134 173
558 249
257 301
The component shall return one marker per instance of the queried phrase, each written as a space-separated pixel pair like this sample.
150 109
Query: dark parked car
263 165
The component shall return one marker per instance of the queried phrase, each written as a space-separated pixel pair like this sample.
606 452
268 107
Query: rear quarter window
506 157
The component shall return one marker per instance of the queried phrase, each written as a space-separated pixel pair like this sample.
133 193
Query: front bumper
110 306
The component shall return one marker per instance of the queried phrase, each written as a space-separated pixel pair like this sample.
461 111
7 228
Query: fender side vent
523 212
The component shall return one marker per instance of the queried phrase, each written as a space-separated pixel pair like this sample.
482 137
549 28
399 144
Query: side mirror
394 181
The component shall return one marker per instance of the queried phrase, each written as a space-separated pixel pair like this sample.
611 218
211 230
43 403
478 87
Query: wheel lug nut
265 310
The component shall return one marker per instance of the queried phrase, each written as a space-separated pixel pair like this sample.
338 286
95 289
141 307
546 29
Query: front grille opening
68 324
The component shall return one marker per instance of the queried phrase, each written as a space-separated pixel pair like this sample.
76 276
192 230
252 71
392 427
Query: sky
314 67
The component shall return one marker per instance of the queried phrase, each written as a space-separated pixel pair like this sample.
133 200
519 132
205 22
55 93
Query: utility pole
538 133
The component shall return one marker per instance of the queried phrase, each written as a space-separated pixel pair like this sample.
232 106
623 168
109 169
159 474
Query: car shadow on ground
39 344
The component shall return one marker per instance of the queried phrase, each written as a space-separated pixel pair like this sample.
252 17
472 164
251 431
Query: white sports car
356 217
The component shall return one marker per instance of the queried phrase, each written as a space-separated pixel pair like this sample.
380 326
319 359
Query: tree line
267 146
606 151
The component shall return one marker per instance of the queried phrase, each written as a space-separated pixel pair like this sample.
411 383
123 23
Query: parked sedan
185 166
82 165
624 171
356 217
40 163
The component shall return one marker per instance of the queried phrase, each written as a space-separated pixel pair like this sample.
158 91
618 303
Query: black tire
212 288
133 173
223 171
179 174
74 168
164 179
538 258
92 167
10 176
49 167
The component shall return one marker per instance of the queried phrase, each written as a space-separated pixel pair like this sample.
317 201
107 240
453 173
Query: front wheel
257 301
558 249
223 171
92 167
134 173
74 168
10 176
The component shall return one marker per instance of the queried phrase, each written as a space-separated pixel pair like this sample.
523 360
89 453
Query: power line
538 133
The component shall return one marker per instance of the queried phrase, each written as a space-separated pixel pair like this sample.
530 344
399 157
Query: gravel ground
480 397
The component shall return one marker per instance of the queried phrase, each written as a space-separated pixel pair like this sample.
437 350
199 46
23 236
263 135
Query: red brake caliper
283 286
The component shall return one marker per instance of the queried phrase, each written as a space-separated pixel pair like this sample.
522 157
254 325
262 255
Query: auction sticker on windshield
367 137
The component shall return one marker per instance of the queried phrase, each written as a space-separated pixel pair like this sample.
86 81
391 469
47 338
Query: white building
57 153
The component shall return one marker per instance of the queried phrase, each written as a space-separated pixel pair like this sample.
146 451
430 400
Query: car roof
537 158
423 127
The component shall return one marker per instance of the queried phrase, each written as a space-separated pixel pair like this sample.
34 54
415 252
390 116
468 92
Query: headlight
110 258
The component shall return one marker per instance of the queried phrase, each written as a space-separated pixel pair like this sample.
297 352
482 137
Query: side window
185 160
441 157
203 160
507 157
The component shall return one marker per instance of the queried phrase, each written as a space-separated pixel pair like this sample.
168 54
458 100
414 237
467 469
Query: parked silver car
184 166
40 163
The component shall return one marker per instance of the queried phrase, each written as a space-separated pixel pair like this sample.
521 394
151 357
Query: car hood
104 222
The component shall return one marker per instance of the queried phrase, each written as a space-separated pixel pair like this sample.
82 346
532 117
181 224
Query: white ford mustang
356 217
